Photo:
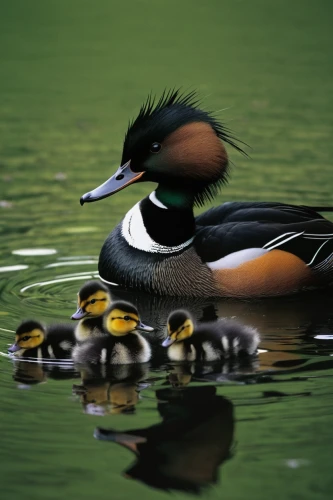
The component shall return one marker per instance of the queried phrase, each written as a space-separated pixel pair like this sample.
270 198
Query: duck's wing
235 233
257 211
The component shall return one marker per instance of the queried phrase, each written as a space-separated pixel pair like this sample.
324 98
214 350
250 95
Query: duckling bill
123 345
208 341
251 249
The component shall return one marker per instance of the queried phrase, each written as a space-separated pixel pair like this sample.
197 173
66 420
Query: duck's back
60 340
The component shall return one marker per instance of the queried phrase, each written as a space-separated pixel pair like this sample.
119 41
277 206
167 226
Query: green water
72 74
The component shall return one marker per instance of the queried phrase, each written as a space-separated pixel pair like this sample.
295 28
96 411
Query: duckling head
176 144
123 318
180 326
93 300
29 334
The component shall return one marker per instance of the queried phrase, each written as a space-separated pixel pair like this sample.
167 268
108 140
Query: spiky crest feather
186 106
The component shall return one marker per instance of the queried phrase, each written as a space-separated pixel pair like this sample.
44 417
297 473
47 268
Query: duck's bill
144 328
127 440
168 341
122 178
79 314
14 348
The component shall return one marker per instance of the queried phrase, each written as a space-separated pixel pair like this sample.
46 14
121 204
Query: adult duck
249 249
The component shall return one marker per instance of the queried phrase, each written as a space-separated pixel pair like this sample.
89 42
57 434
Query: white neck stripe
135 233
153 198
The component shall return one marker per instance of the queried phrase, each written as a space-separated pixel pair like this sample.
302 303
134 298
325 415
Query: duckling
34 340
123 345
208 341
239 249
93 300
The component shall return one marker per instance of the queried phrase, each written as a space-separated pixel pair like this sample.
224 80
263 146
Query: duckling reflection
184 451
181 374
28 373
110 390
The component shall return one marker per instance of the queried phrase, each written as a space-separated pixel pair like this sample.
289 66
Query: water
72 76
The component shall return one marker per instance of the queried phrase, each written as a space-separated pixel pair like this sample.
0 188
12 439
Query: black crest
158 118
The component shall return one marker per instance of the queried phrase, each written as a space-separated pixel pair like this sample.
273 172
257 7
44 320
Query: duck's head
180 327
29 334
174 143
123 318
93 300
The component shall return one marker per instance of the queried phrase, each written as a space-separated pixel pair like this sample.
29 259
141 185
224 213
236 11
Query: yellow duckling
123 345
34 340
93 300
208 341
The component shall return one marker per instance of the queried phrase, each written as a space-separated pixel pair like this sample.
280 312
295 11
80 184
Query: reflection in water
184 451
287 325
32 373
110 390
181 374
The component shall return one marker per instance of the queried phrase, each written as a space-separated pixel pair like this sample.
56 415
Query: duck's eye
92 301
25 338
155 147
127 318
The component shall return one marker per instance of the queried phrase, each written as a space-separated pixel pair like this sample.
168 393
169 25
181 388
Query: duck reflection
110 390
185 450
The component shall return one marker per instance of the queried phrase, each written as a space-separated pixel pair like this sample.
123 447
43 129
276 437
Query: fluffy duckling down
34 340
123 345
93 300
208 341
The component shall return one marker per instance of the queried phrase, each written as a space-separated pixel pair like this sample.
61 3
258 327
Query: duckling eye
127 318
25 338
92 301
155 147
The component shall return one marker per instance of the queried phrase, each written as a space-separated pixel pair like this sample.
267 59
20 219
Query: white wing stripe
319 234
277 238
315 255
284 241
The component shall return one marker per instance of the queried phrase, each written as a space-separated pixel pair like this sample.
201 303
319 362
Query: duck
35 340
93 300
123 345
238 249
210 341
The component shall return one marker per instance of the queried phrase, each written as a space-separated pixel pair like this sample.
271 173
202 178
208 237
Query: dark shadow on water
185 450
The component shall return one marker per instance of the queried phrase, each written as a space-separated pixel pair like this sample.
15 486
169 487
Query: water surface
72 74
